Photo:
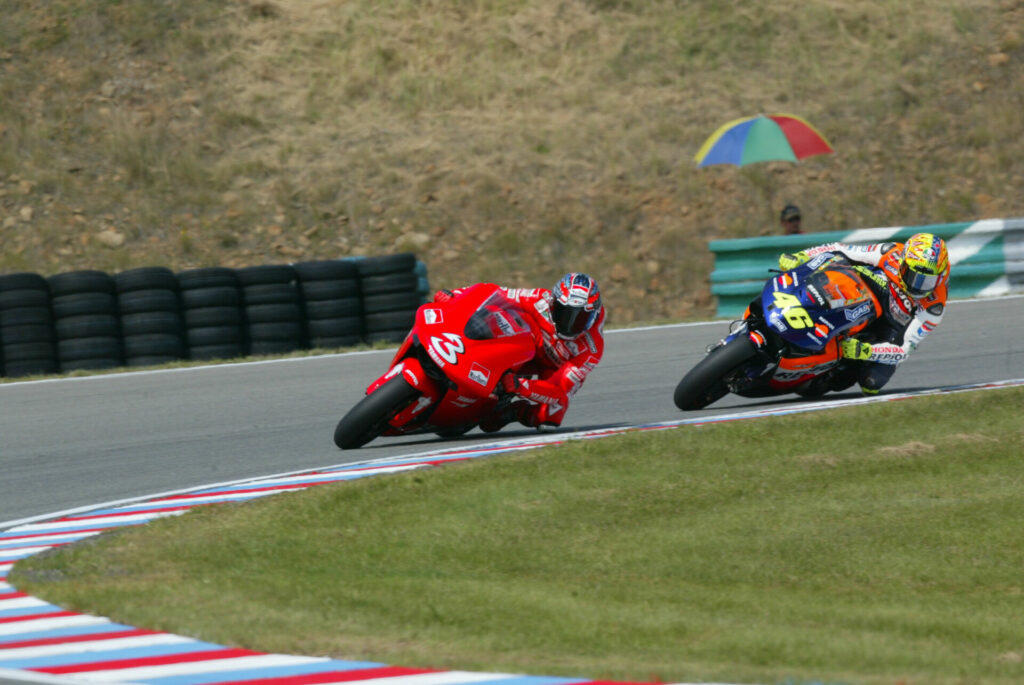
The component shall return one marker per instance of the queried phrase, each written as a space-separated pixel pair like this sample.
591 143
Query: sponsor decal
504 325
784 281
576 375
900 308
887 354
434 355
560 351
904 300
809 365
868 272
421 404
479 374
432 316
550 352
858 312
448 347
819 260
591 363
463 402
788 376
821 330
413 379
813 292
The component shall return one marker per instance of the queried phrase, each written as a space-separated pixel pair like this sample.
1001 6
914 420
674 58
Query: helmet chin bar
918 284
569 321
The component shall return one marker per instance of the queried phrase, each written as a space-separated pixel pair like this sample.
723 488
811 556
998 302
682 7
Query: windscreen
497 317
839 285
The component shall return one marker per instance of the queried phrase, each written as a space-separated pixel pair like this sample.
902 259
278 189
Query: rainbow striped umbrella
762 138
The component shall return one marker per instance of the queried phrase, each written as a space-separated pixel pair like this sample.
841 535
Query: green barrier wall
987 258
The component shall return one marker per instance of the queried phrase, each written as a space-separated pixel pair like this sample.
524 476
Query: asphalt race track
79 442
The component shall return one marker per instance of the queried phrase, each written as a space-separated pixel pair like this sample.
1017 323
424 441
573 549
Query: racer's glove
443 295
792 260
513 384
852 348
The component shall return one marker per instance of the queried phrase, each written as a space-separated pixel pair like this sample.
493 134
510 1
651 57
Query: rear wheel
704 383
370 416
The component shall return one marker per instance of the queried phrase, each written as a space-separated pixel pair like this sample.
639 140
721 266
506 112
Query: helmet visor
569 321
918 283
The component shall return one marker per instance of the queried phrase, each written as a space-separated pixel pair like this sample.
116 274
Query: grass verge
779 549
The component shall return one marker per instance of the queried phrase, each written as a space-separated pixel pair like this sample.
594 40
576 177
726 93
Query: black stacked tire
152 332
211 312
423 283
390 288
85 320
271 309
331 302
26 326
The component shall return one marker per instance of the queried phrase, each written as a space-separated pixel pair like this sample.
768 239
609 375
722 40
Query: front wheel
705 382
369 418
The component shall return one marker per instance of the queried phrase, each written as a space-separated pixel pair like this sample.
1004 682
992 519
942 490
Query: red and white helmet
576 304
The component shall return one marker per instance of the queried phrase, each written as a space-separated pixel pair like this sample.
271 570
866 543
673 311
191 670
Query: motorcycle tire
370 416
704 383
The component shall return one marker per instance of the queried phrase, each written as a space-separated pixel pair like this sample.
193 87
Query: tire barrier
331 294
986 258
151 328
148 316
85 320
26 326
391 295
211 306
270 309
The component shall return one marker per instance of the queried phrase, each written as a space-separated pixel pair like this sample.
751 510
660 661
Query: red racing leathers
560 366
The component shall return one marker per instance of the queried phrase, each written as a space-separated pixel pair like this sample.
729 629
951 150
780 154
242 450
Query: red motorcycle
444 378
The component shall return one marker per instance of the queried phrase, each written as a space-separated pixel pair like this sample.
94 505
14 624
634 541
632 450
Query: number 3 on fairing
796 316
450 349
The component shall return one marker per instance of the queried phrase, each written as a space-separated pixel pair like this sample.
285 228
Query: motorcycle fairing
455 355
809 307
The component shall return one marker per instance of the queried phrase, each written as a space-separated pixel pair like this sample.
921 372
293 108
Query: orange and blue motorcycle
788 340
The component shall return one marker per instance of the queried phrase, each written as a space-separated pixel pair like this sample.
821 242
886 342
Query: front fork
430 392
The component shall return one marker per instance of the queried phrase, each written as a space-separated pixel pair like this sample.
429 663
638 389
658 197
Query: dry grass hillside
504 140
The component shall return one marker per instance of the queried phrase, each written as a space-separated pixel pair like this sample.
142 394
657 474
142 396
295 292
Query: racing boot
514 411
874 376
840 379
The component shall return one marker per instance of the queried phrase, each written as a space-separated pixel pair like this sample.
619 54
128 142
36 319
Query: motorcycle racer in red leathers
911 282
568 329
